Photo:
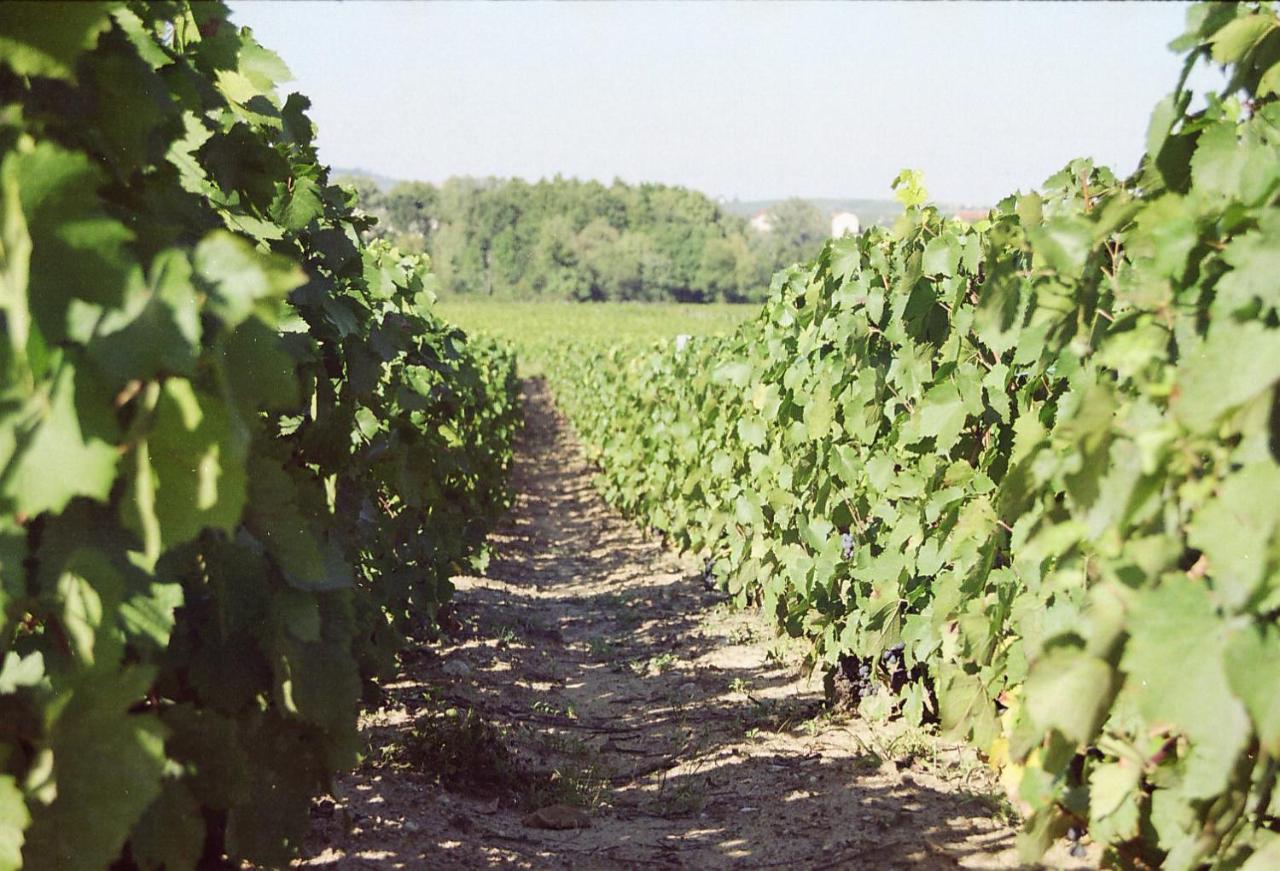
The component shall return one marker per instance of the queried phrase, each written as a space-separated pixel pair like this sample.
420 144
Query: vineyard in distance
962 549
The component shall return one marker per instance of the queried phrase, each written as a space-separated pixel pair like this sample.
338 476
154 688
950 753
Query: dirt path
624 692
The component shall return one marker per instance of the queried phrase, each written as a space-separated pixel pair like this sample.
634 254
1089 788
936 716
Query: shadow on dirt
591 669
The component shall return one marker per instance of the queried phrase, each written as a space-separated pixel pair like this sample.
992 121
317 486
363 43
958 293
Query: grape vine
240 457
1018 475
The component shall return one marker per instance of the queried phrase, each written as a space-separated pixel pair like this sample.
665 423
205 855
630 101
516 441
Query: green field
532 326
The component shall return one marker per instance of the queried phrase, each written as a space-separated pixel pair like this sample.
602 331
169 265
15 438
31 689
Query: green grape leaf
63 448
941 255
45 38
87 592
941 415
140 37
151 615
14 819
157 329
1255 261
1233 42
171 832
965 706
1174 669
1165 235
107 762
1269 83
908 187
191 475
846 259
182 153
78 252
323 684
259 369
1253 670
1113 801
15 262
997 321
1163 117
1235 530
1230 168
1232 365
244 281
819 412
1131 351
207 744
1070 691
752 432
276 517
1063 244
272 820
261 66
13 572
301 204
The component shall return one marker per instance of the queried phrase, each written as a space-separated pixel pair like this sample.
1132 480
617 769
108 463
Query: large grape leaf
85 597
14 819
45 38
1253 669
996 321
1234 41
190 471
277 516
157 330
171 832
965 706
244 280
940 415
819 412
1070 691
1235 530
1229 167
77 251
271 821
1174 668
1062 244
1255 258
107 764
1113 801
259 369
1234 364
57 451
941 255
300 204
15 264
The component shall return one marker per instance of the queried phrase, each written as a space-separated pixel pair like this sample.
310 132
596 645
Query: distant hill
868 211
382 181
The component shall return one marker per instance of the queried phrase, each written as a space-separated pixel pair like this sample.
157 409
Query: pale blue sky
753 100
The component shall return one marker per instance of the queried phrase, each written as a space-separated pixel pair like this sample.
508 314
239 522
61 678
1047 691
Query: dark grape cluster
851 681
1074 834
895 668
709 573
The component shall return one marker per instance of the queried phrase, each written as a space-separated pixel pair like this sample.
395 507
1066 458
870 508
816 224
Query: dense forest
582 240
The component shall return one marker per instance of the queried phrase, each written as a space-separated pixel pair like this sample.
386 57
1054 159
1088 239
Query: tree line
568 239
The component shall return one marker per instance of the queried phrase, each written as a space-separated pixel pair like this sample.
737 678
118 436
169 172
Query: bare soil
613 712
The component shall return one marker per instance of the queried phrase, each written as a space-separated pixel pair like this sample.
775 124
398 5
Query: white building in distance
844 222
762 221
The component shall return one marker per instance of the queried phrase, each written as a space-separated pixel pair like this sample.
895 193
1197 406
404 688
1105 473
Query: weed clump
464 753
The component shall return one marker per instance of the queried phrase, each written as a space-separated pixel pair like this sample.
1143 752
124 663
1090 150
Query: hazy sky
747 100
